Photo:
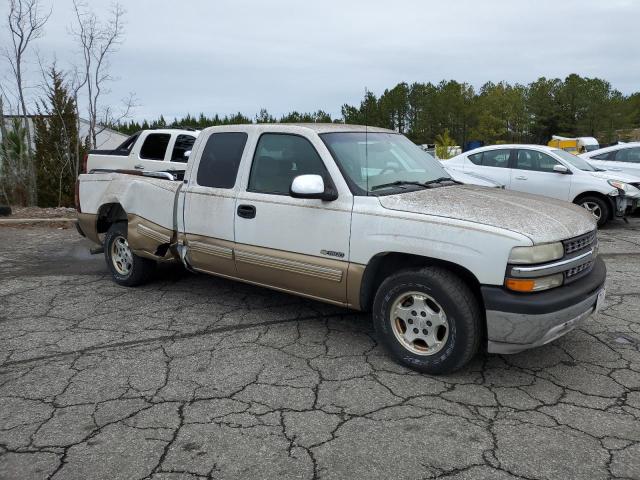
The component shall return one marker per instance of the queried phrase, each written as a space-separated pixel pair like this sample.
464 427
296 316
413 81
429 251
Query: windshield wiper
397 183
441 180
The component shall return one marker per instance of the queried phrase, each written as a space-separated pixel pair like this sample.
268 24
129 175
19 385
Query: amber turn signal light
520 284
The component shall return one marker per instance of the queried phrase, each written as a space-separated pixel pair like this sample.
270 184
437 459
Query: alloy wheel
419 323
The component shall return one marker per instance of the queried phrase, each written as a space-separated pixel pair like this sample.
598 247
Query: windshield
373 161
591 148
577 162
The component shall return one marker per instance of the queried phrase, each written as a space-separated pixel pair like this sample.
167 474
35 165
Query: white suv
624 157
554 173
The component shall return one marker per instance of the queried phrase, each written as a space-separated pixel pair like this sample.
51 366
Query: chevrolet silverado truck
154 150
362 218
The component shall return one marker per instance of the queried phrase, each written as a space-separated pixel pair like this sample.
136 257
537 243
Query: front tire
598 207
428 319
127 268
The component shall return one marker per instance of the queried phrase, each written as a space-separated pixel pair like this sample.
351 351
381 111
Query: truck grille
574 247
584 269
576 244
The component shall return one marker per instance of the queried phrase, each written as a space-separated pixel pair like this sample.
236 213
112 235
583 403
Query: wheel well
108 214
385 264
606 198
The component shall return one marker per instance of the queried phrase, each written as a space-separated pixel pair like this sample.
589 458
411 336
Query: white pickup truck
362 218
154 150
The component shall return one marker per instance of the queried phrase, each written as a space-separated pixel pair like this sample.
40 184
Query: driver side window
534 160
278 159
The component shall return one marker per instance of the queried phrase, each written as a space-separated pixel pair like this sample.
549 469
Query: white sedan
624 157
554 173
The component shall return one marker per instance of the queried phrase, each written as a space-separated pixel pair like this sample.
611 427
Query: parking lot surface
199 377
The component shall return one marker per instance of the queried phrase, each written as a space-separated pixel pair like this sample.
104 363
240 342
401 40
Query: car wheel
597 207
127 268
428 319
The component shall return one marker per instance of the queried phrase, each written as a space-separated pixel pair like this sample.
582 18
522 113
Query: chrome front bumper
515 332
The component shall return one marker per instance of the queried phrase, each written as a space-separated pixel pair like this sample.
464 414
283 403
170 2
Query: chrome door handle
139 167
521 177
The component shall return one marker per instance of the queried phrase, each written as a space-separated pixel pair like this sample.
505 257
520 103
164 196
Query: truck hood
542 219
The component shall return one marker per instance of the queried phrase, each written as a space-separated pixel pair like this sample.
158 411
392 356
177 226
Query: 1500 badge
331 253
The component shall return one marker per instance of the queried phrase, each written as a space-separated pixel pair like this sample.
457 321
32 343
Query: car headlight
620 185
534 284
624 187
537 253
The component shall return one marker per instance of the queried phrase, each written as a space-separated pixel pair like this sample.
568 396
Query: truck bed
150 198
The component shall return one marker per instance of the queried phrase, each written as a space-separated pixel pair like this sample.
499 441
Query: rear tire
597 206
428 319
127 269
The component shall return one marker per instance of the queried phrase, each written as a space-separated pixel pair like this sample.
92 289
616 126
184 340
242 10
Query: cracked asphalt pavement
198 377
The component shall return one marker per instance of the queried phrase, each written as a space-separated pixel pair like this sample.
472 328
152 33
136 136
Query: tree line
494 113
501 112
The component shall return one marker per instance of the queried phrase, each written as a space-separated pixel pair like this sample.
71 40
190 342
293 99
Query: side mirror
561 169
187 154
311 186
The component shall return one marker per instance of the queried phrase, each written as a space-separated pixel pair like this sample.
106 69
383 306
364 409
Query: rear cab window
220 160
155 146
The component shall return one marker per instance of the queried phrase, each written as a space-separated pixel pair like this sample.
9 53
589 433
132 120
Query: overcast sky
226 56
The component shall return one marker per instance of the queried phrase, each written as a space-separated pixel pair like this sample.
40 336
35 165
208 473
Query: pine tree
56 133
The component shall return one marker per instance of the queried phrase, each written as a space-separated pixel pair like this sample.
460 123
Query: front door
533 173
297 245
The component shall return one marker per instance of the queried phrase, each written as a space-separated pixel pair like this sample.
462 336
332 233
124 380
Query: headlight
620 185
537 253
628 189
534 284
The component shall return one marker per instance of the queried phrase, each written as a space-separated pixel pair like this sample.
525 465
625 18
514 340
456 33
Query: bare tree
26 22
98 41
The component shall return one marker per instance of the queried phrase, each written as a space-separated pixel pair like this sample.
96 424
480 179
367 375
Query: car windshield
383 162
577 162
591 148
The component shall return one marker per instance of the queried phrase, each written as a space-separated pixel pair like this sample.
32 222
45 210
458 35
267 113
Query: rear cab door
209 195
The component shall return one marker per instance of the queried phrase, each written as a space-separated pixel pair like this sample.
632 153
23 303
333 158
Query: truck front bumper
517 322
